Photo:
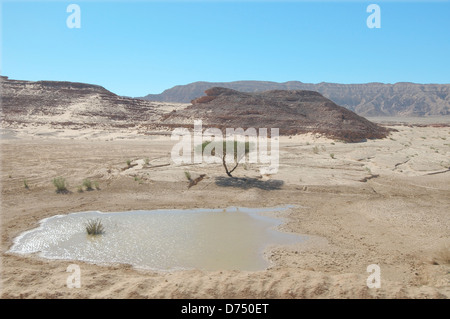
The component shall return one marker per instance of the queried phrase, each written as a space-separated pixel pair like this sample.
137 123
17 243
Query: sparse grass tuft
88 184
315 150
188 175
80 189
60 184
147 161
128 163
332 155
25 184
94 227
96 185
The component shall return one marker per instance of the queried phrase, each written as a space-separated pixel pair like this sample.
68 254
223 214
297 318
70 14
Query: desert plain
384 202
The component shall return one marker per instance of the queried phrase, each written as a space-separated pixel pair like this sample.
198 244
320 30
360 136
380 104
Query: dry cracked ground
379 202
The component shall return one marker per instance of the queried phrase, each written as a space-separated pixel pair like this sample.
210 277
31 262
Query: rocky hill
371 99
71 104
293 112
78 105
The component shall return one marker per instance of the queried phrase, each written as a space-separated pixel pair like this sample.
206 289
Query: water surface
209 239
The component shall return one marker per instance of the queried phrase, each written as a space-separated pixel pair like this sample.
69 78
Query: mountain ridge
71 105
365 99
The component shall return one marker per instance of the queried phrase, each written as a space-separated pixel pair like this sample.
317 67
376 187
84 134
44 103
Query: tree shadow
247 183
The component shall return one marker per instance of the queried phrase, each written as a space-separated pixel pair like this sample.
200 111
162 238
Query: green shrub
25 184
88 184
60 184
188 175
94 227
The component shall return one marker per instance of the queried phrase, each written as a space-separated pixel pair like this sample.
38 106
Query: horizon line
225 82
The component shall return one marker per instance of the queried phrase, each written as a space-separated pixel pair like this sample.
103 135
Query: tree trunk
226 168
225 165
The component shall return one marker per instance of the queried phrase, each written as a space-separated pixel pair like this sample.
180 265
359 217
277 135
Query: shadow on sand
247 183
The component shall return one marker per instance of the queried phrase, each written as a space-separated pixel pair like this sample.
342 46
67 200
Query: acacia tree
219 149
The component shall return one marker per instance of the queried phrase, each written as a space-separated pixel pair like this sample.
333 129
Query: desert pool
233 238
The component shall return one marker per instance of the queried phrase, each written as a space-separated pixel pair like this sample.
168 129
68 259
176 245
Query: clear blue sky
141 47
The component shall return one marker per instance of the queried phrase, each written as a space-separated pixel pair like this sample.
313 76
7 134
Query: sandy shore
382 202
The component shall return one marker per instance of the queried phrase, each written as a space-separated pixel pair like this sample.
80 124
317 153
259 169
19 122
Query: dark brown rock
293 112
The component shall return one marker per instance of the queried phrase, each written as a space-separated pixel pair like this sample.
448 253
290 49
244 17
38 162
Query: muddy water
218 239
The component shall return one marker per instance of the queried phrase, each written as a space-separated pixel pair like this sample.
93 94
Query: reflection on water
209 239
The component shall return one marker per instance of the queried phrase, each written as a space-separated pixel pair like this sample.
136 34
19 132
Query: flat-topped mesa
66 104
292 111
64 85
74 89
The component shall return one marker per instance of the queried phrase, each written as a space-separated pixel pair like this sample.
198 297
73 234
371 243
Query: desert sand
382 202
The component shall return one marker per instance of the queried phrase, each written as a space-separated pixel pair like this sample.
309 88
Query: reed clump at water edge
95 227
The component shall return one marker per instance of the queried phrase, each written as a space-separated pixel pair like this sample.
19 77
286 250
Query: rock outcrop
293 112
70 104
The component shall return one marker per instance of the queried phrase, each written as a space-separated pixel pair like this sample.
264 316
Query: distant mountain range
370 99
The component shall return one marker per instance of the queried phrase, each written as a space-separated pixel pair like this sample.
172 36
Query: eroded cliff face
71 104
